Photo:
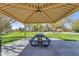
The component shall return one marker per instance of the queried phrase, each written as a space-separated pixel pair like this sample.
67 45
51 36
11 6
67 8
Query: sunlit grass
11 37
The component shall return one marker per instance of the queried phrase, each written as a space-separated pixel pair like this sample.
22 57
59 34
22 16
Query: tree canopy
5 25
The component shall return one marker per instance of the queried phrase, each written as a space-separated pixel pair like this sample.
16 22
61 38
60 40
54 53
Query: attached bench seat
40 39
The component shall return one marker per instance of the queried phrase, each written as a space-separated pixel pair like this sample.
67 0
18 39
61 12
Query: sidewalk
14 48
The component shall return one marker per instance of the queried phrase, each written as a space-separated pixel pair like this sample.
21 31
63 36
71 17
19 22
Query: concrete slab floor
56 48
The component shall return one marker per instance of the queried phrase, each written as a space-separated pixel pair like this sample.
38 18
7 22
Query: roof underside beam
9 15
67 14
24 7
30 17
48 17
52 6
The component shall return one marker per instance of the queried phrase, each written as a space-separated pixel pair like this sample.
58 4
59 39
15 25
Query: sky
17 25
74 16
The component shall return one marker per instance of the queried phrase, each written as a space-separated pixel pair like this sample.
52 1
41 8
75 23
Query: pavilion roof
38 12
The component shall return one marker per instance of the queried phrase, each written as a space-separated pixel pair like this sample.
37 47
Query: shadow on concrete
10 48
56 48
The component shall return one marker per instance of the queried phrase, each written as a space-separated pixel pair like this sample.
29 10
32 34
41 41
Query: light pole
53 30
25 30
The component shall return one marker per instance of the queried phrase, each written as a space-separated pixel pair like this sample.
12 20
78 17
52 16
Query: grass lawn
8 38
65 36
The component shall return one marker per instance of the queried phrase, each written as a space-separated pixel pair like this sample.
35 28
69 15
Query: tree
21 29
36 27
5 25
65 24
76 26
59 25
